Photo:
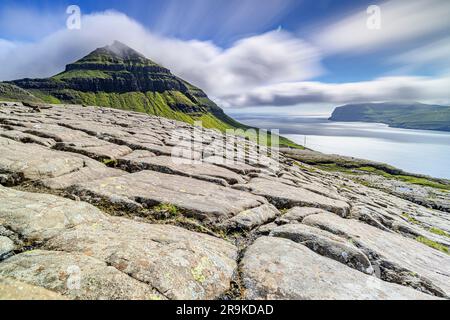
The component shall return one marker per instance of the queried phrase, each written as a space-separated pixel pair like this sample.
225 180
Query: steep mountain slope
400 115
120 77
11 92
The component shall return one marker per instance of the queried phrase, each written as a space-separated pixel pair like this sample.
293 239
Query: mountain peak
123 51
119 76
116 53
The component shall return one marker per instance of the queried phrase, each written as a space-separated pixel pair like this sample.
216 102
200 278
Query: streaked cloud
265 59
270 69
401 22
434 53
219 18
382 89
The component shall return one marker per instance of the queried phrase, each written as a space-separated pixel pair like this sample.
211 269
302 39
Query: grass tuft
439 232
433 244
166 209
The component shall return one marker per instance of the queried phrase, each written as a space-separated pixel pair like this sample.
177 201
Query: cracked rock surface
100 203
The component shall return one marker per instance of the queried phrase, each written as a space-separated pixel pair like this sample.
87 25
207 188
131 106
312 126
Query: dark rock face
114 68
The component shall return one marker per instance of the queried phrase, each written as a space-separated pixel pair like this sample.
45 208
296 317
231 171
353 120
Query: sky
250 53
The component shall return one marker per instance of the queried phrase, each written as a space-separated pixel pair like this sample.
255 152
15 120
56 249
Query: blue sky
320 46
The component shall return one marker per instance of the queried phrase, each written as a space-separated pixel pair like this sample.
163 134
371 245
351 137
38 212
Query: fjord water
418 151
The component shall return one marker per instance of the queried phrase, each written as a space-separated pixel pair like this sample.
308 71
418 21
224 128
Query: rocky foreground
95 204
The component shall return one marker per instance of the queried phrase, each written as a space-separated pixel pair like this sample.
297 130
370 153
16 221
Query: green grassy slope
10 92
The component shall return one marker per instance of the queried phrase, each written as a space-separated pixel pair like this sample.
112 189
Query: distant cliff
399 115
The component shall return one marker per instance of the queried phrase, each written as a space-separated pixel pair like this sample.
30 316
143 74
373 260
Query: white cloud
382 89
434 53
251 62
268 69
401 21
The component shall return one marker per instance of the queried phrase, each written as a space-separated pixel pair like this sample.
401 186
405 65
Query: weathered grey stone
76 276
85 174
97 149
134 157
180 264
201 199
297 214
325 244
95 128
252 218
11 289
79 142
38 217
187 167
32 162
275 268
6 246
26 138
233 165
283 195
56 132
400 259
266 229
158 149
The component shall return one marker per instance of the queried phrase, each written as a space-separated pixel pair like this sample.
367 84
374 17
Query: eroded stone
39 217
186 167
76 276
275 268
252 218
283 195
400 259
11 289
325 244
201 199
180 264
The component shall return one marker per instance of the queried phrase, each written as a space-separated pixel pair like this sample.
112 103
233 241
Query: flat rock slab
325 244
38 217
27 138
393 251
297 214
94 128
179 263
76 276
11 289
32 162
85 174
201 199
282 195
252 218
187 167
6 246
275 268
95 148
230 164
79 142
